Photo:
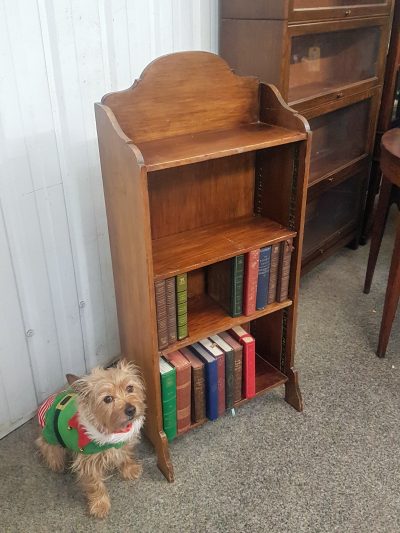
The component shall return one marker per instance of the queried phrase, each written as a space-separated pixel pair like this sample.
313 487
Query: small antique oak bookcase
200 165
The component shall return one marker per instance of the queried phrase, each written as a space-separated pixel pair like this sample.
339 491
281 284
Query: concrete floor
333 468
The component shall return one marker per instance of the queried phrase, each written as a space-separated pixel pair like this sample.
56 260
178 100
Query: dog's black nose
130 410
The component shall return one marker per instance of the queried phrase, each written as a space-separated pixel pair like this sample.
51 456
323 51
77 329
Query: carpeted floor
333 468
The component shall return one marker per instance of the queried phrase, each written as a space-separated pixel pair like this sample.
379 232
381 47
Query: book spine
273 275
198 395
238 376
161 313
230 378
237 266
170 290
221 384
263 277
181 301
212 390
168 393
249 370
284 270
183 382
250 282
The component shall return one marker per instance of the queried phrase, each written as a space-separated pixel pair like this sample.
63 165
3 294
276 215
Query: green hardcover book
168 398
225 284
181 305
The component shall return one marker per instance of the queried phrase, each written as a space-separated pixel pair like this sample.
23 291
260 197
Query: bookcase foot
292 390
164 462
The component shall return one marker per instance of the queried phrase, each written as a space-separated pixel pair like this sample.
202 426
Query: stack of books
249 282
171 309
206 378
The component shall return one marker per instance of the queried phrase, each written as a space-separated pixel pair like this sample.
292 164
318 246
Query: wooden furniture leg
377 232
391 298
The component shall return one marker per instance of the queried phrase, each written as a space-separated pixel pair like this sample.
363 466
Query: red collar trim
83 438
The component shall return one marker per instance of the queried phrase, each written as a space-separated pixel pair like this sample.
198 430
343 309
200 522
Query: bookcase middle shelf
199 247
206 318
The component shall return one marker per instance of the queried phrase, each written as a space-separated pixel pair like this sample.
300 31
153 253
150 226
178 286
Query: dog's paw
99 508
131 471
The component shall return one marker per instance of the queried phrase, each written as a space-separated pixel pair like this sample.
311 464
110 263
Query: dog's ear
71 378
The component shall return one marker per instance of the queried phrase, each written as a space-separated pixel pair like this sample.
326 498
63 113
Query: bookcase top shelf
206 318
188 250
193 148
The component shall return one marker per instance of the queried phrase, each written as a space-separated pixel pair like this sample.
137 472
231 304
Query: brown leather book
284 270
198 404
161 312
238 363
273 273
170 289
183 388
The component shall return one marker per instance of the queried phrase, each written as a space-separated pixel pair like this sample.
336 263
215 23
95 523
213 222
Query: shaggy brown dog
107 409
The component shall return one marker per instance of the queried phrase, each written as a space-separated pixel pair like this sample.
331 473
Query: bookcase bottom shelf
267 378
206 318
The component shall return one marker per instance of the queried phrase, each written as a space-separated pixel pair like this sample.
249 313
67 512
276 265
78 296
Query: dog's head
110 399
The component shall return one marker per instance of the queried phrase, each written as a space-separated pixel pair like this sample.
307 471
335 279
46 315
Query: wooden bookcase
200 165
327 58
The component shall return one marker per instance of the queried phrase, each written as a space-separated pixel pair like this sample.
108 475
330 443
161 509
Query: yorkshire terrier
98 419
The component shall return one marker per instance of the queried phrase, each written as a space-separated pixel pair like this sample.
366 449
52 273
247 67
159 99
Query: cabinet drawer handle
347 12
321 251
331 179
339 95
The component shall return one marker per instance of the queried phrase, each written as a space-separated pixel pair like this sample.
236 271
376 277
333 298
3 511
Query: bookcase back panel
276 183
268 331
181 93
204 193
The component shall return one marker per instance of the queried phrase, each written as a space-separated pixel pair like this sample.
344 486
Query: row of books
249 282
171 309
206 378
241 285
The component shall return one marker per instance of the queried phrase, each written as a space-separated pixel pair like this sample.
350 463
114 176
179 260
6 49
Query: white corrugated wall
58 57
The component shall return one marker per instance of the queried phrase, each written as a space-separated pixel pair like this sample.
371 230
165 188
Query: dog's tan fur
107 418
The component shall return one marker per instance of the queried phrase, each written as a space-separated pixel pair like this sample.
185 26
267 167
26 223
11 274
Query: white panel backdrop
58 57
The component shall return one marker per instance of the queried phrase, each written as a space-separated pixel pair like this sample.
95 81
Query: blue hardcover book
211 375
264 267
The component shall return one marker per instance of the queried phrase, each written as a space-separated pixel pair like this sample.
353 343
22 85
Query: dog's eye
129 388
108 399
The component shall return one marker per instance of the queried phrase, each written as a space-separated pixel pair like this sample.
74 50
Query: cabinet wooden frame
150 138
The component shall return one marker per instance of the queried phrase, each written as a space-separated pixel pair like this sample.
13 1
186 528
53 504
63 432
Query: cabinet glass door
339 138
332 214
326 62
339 9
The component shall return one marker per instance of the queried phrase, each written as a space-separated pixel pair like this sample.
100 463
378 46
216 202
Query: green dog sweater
59 420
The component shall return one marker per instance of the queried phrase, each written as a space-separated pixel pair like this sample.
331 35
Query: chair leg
391 297
377 231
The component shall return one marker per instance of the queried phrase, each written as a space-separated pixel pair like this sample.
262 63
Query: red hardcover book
249 360
219 355
183 389
251 261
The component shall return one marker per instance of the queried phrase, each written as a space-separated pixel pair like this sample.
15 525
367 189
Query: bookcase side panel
204 193
126 198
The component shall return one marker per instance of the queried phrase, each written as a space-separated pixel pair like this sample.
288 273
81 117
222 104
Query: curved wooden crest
182 93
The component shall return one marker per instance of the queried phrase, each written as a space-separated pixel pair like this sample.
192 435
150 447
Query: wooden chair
390 166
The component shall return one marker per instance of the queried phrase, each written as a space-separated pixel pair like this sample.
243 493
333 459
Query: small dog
98 419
